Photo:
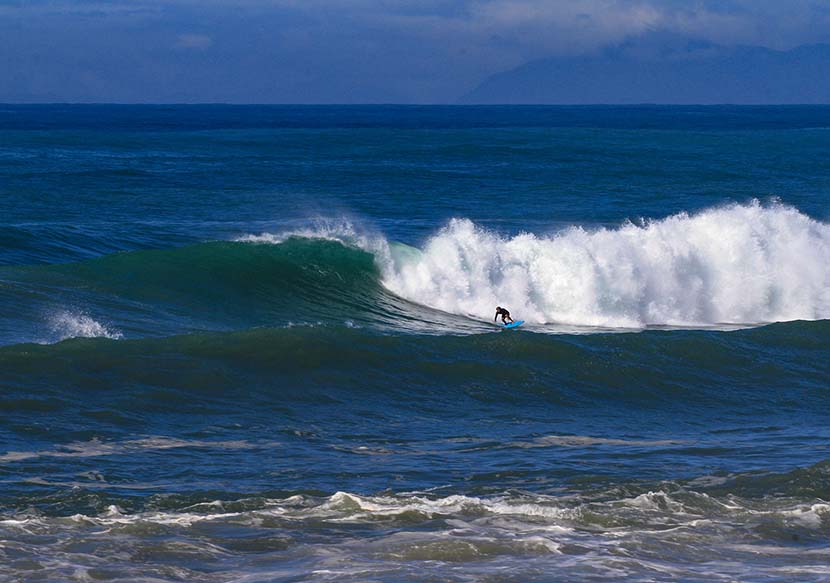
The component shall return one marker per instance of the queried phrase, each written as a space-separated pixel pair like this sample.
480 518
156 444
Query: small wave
79 325
672 505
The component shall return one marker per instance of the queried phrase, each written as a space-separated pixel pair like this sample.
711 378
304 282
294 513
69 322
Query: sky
347 51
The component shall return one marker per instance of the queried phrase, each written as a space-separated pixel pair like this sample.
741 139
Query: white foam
356 506
736 264
813 516
659 500
71 324
349 507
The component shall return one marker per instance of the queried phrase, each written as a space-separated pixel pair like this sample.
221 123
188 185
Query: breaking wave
735 266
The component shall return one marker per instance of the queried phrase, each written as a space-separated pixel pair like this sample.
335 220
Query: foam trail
738 264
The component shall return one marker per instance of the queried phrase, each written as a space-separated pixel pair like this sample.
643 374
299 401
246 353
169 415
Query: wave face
210 286
733 265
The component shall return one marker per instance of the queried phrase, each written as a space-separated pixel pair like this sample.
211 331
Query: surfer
505 315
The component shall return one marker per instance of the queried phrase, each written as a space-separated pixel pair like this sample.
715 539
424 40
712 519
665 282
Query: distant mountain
659 70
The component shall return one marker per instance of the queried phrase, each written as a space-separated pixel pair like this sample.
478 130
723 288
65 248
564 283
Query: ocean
256 344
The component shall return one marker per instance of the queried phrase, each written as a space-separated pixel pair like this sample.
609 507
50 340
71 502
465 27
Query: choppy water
256 344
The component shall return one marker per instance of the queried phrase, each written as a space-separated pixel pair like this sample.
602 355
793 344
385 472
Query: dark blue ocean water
257 343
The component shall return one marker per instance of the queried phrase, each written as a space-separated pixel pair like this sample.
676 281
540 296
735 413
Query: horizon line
391 104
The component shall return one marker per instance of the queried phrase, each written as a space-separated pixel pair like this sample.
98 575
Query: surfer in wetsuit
505 315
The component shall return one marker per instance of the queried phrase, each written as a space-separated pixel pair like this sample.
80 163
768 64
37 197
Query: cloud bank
318 51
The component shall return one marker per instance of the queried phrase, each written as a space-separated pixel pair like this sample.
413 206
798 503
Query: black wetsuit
505 315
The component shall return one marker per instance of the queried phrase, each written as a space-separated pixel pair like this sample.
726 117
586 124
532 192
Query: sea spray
346 231
75 324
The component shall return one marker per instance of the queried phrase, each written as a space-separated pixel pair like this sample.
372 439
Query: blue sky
351 51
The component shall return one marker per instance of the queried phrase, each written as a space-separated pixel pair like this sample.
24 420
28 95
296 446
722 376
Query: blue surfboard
515 324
